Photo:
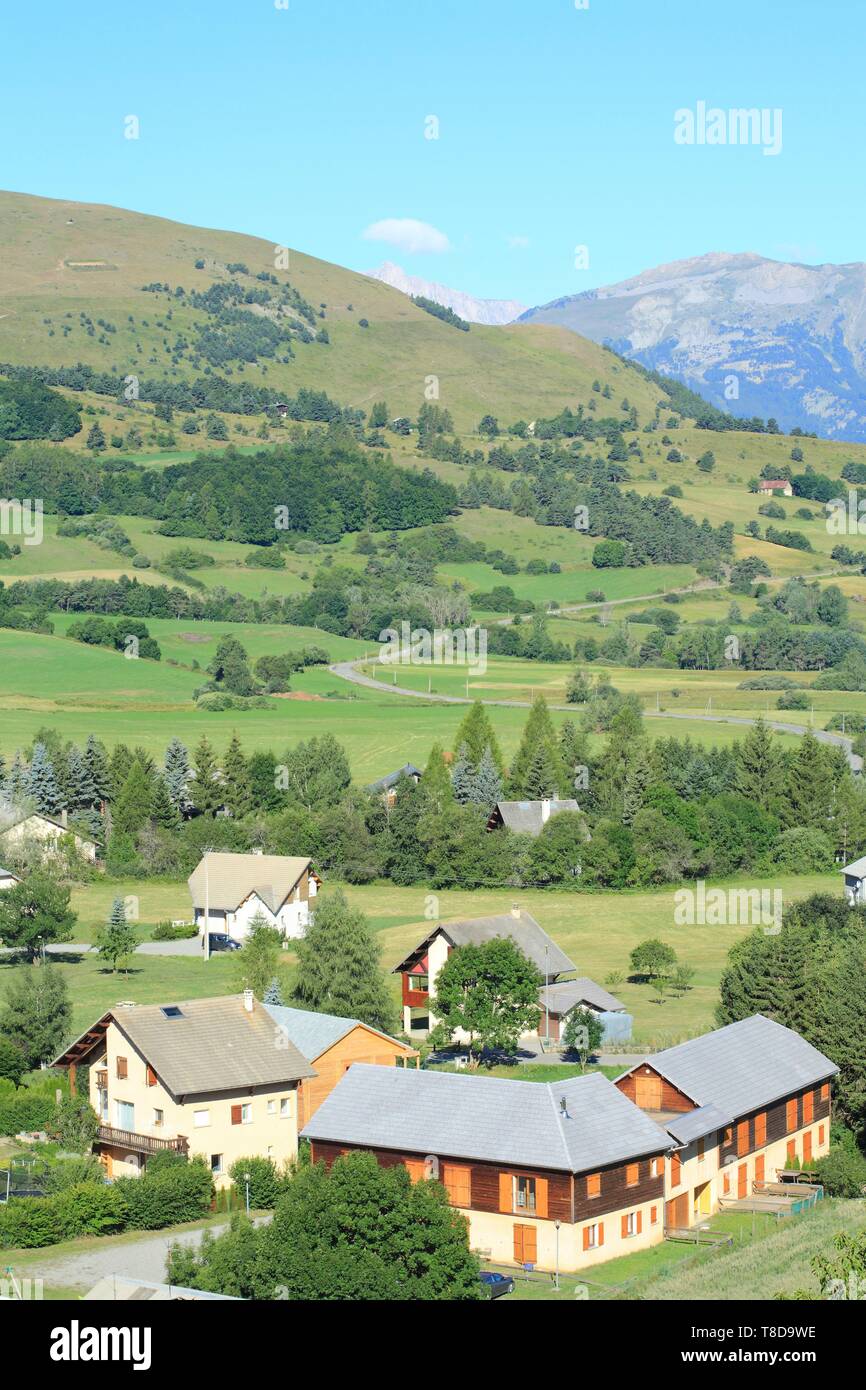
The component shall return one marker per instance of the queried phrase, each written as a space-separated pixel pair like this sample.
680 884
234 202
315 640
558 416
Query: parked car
221 941
495 1285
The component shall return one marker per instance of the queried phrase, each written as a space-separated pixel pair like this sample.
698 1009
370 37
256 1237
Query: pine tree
436 781
119 768
177 773
463 779
549 770
540 780
574 750
133 806
637 780
808 797
273 994
488 783
96 763
207 794
117 940
82 789
339 970
237 788
162 808
759 767
42 785
15 783
476 732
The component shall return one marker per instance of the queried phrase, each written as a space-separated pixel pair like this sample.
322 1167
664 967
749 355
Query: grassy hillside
65 259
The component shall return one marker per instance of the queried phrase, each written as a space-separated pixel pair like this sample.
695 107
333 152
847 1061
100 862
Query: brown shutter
586 1237
601 1233
237 1112
639 1222
151 1076
530 1246
121 1069
624 1230
505 1192
541 1196
518 1244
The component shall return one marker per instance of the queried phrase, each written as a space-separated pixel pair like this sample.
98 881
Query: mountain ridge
491 312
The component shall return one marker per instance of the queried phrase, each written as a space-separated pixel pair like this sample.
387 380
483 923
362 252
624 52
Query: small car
221 941
495 1285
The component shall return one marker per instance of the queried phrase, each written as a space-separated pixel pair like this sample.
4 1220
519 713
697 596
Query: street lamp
547 995
205 852
247 1186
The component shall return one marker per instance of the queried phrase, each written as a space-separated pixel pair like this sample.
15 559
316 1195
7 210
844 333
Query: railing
141 1143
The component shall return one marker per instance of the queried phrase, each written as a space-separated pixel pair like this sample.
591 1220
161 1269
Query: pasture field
598 931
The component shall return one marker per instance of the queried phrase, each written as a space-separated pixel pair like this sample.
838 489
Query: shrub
843 1169
802 850
24 1112
793 699
29 1223
265 1183
167 931
165 1196
90 1209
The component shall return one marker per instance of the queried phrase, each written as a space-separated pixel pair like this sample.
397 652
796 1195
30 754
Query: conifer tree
96 763
117 940
207 793
488 783
237 788
119 768
42 787
339 970
476 732
759 767
808 797
177 773
463 779
539 750
133 806
162 809
15 783
273 994
436 781
82 789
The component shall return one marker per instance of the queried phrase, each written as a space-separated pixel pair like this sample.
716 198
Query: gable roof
696 1124
520 926
214 1045
232 877
7 873
565 994
857 869
385 783
742 1067
314 1033
526 817
484 1118
22 817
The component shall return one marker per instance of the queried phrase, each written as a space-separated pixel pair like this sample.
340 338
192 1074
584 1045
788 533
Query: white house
228 890
33 826
855 882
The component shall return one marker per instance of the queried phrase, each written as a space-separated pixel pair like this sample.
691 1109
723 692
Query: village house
32 827
420 968
229 890
557 1176
331 1045
208 1076
776 486
528 817
7 878
855 882
737 1104
386 787
559 999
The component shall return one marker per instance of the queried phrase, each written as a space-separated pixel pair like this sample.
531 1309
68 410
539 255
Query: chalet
559 999
776 485
737 1104
855 882
7 878
420 968
229 890
386 787
527 817
556 1176
202 1077
46 831
331 1045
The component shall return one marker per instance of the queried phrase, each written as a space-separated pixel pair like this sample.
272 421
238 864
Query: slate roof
520 926
384 784
744 1066
858 868
565 994
314 1033
214 1045
232 877
7 873
487 1119
123 1289
696 1124
525 817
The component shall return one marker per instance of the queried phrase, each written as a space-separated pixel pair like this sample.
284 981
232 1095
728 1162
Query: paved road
347 670
190 947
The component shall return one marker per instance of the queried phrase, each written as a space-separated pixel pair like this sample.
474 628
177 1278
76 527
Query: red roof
777 482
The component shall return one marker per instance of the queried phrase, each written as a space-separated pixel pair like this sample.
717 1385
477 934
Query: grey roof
214 1045
565 994
520 926
122 1289
743 1066
230 878
858 868
7 873
526 817
484 1118
391 780
314 1033
695 1124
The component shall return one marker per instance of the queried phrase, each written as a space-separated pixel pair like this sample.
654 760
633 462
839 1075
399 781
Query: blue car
221 941
495 1285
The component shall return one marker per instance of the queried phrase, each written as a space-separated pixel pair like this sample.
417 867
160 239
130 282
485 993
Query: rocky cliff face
788 339
487 311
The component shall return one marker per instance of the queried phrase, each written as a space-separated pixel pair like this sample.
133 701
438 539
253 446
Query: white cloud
518 243
408 235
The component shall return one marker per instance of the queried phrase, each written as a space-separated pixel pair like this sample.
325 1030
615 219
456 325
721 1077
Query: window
630 1224
285 1109
216 1163
593 1236
654 1216
760 1130
655 1167
593 1185
743 1137
158 1118
121 1068
242 1114
700 1150
201 1118
272 1107
728 1136
524 1194
791 1115
825 1091
125 1114
632 1174
149 1076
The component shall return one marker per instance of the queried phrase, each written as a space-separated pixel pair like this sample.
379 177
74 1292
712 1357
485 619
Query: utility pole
205 853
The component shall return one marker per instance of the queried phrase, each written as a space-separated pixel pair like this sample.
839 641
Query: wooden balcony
141 1143
414 998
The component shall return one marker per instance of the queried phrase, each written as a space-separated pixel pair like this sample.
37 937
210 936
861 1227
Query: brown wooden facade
361 1044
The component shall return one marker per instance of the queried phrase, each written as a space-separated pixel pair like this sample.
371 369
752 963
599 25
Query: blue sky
306 125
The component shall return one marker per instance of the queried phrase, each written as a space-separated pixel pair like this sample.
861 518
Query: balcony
141 1143
414 998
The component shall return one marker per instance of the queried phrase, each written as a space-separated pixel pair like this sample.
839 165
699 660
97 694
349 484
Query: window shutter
624 1231
505 1196
121 1069
601 1233
639 1221
151 1076
654 1215
237 1114
586 1237
541 1196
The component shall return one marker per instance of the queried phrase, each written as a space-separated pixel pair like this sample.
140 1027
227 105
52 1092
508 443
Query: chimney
515 912
249 1001
563 1108
545 811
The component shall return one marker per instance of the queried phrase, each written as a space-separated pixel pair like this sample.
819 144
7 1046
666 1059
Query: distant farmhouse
527 817
386 787
776 485
229 890
422 965
33 826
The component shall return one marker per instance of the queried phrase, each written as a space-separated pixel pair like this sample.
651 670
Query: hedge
25 1112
